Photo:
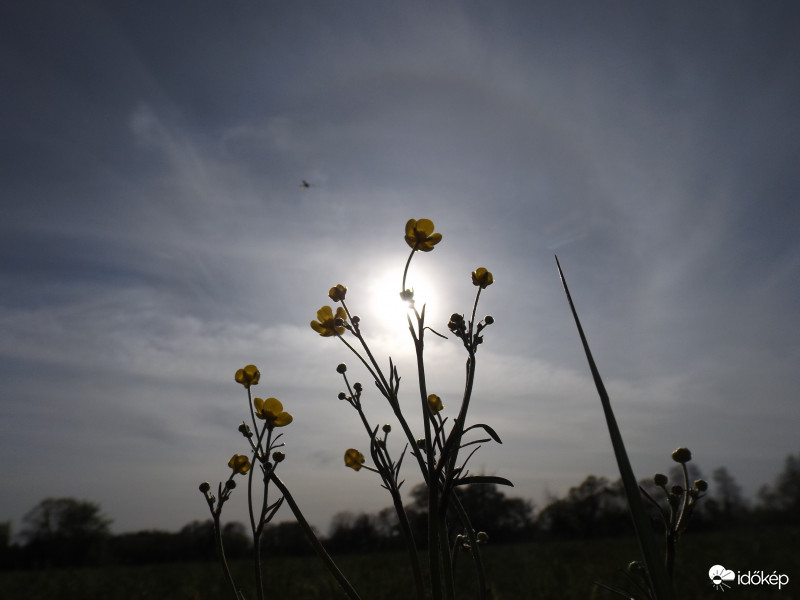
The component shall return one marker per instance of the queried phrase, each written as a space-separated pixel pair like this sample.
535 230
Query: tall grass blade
656 572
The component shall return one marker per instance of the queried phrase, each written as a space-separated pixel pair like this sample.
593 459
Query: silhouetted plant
441 453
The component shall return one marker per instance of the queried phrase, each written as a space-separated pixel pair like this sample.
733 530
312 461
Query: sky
155 238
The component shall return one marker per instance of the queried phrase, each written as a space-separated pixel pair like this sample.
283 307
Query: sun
385 303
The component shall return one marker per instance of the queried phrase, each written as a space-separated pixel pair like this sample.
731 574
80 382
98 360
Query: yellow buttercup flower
435 403
326 324
482 278
420 235
248 376
239 463
271 411
337 292
354 459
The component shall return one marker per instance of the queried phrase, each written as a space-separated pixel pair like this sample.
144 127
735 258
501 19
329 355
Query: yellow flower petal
248 376
482 278
271 411
420 235
435 404
353 459
239 463
283 419
337 292
325 325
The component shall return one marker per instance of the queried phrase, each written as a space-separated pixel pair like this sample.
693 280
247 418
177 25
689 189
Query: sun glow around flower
385 304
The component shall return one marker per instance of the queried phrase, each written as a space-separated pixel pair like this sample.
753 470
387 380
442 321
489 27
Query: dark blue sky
155 237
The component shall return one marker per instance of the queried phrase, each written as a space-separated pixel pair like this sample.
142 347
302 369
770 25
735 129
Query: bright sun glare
384 297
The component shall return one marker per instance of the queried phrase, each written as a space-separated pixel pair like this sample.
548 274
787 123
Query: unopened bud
682 455
341 368
278 456
660 479
204 487
701 485
244 429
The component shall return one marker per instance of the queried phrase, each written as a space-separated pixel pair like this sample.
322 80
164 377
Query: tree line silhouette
61 532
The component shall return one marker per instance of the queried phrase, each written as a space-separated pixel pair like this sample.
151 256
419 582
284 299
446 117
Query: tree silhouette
594 508
727 502
782 500
65 531
489 510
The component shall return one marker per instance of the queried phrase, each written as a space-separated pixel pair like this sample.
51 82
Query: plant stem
314 541
221 552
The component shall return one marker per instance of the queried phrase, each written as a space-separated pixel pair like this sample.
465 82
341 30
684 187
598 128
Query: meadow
546 570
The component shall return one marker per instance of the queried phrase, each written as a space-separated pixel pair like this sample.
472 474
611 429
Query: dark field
547 570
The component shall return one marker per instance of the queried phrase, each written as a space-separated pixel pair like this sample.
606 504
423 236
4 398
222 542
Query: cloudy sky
155 236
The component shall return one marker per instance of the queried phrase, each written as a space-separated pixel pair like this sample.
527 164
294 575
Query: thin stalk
411 548
434 541
480 571
388 392
314 541
447 562
221 552
656 573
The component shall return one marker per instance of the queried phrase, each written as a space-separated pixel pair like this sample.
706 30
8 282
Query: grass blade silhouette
657 574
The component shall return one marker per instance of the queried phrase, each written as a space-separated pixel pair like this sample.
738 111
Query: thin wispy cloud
156 235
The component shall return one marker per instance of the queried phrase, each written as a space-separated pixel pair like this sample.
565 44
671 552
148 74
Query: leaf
487 429
661 586
483 479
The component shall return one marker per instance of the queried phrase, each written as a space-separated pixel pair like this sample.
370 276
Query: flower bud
230 484
387 428
341 368
676 489
204 487
435 404
357 387
682 455
701 485
482 278
342 396
244 429
337 292
482 537
489 319
635 567
660 479
278 456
